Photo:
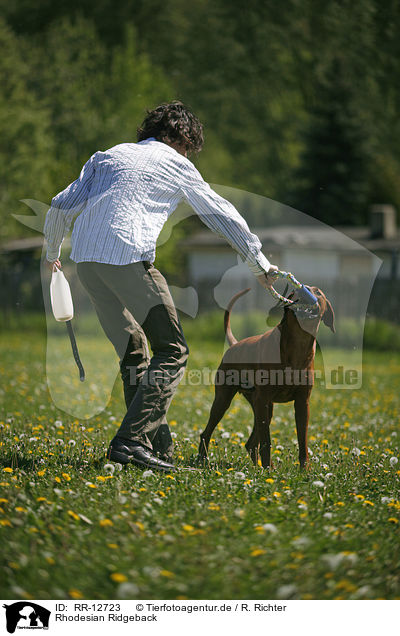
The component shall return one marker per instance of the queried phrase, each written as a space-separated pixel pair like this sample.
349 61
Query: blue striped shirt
123 197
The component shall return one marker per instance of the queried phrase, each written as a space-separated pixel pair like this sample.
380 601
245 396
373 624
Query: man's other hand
54 265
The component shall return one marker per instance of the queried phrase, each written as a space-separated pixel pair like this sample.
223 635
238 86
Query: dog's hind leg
222 401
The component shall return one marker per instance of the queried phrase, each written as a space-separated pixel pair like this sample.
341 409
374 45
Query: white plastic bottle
60 296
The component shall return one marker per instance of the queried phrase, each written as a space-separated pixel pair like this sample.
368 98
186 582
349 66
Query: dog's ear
329 316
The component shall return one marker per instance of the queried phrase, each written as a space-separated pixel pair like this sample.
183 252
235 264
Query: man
123 197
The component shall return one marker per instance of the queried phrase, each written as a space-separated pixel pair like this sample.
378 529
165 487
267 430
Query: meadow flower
167 574
117 577
109 469
127 590
393 461
74 593
270 527
147 473
257 552
318 484
286 591
105 522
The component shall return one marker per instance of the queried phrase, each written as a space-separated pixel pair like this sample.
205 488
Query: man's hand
268 279
54 265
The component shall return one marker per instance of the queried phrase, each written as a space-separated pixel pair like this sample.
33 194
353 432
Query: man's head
175 125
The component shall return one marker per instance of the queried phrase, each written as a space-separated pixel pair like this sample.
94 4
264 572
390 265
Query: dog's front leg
262 416
302 414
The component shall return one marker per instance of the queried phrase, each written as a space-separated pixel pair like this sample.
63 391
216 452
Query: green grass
72 529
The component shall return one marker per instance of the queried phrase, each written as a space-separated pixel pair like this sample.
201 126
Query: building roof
317 237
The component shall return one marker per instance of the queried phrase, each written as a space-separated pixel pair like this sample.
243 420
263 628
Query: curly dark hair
173 122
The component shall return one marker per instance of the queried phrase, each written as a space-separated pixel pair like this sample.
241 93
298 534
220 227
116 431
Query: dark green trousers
133 304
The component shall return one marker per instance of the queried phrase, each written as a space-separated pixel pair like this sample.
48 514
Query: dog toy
306 302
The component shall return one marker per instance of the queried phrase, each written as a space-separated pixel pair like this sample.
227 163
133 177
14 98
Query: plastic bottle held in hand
60 296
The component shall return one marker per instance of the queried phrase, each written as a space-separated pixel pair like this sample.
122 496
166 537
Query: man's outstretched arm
224 219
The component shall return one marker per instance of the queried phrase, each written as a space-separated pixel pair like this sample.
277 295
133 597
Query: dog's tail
227 318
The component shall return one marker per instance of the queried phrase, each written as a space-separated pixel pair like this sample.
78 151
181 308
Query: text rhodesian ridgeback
277 366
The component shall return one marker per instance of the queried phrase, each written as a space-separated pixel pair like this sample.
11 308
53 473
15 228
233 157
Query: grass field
73 526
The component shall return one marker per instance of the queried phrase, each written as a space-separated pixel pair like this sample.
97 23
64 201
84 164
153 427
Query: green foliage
298 101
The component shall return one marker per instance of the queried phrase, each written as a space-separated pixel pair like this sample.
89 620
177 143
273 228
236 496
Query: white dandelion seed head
58 423
333 560
286 591
301 542
393 461
72 442
109 469
240 475
270 527
148 473
127 591
318 484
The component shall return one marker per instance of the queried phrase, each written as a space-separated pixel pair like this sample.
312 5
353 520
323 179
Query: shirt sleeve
223 219
65 206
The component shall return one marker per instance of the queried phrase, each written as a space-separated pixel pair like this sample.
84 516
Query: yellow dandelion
167 574
112 546
20 509
57 479
73 515
50 560
74 593
257 552
393 520
3 501
269 480
187 527
41 472
277 494
7 470
66 476
117 577
100 478
5 522
105 522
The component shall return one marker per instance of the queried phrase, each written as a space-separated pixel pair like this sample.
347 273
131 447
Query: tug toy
306 304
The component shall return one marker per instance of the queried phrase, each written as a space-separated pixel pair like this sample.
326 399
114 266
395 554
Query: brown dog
277 366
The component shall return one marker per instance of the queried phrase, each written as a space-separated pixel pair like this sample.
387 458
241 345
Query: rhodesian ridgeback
277 366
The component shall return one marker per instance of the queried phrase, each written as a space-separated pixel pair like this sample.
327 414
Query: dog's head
324 311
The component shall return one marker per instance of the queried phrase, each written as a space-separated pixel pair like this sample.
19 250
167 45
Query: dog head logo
26 615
